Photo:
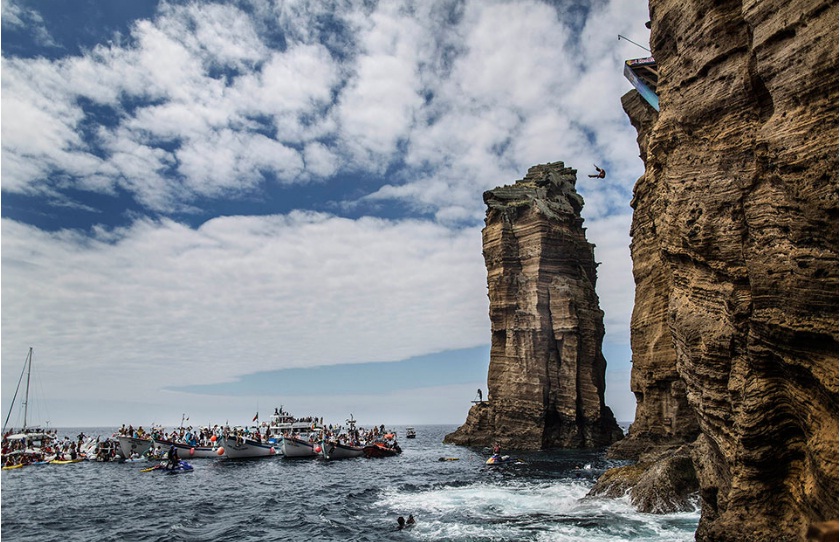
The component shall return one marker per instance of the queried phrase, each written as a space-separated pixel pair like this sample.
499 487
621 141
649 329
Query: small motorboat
181 467
410 432
497 459
380 449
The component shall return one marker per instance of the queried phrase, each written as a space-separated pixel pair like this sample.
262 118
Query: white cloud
202 102
162 305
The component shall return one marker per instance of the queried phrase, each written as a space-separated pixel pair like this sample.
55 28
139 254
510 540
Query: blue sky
217 208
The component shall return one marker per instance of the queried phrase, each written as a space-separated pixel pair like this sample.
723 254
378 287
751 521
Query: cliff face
735 246
663 417
546 377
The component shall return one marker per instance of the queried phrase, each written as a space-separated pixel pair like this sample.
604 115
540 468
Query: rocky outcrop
664 480
546 376
735 238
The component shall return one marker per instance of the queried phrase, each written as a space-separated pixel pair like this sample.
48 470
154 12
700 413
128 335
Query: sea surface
275 498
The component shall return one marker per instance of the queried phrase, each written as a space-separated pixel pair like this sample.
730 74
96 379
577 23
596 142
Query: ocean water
543 499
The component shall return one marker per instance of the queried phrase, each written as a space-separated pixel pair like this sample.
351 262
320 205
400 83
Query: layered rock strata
738 213
546 376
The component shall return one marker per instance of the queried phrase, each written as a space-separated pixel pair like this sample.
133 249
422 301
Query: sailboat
29 443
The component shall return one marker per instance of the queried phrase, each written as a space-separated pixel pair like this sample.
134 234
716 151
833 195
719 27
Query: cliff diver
601 173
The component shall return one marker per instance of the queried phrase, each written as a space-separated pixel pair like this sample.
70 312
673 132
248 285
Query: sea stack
735 256
546 376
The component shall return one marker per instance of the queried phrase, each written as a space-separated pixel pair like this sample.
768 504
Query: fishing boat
246 448
129 446
29 445
341 447
332 449
186 450
297 447
410 432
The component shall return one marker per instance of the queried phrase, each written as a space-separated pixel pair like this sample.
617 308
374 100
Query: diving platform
644 76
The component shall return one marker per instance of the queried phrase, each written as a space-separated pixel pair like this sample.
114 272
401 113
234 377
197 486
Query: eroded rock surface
546 376
735 240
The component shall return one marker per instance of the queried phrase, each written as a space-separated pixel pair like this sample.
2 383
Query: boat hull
247 448
131 445
379 450
295 447
336 450
188 452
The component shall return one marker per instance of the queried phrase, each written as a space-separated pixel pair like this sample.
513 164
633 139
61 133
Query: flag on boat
256 417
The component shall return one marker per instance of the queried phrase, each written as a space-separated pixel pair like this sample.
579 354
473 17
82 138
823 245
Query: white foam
543 511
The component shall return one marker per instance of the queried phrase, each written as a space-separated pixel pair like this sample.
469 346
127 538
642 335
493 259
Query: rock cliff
546 376
735 247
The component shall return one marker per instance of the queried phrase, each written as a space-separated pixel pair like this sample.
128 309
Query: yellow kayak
64 461
10 467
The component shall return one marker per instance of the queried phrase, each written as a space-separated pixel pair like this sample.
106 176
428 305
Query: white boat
29 445
185 451
410 432
244 448
337 450
340 448
283 423
297 447
129 446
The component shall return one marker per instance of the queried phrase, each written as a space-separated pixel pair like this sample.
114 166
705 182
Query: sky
213 209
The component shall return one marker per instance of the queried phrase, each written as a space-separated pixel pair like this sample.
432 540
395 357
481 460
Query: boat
410 432
186 450
129 446
246 448
497 459
381 449
283 423
30 444
332 449
294 446
181 467
342 447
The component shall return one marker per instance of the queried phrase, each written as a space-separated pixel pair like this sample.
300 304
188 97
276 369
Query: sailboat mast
26 363
26 399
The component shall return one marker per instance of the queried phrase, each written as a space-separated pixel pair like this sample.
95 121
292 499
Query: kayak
65 461
10 467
